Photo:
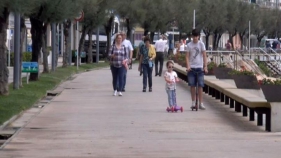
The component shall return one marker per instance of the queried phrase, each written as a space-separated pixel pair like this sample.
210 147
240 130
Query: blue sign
29 48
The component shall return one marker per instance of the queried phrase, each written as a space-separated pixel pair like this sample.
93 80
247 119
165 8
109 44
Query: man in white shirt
160 46
129 50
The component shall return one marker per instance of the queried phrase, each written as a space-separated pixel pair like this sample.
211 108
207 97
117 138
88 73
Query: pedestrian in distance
146 63
118 57
171 78
160 46
129 49
141 44
196 65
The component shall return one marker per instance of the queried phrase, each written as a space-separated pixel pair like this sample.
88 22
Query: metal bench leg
226 100
210 90
245 111
218 95
231 103
237 106
206 89
222 97
268 120
252 115
27 77
260 118
214 92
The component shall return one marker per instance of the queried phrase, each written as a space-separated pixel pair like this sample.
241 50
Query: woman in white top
182 47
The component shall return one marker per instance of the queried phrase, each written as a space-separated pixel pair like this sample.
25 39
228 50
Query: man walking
196 65
160 48
129 50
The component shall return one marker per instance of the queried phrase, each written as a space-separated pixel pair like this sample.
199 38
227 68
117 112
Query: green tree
6 7
48 12
232 18
94 16
212 18
244 15
261 23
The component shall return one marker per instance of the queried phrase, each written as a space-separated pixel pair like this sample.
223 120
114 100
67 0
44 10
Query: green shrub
211 65
135 52
263 67
26 56
242 72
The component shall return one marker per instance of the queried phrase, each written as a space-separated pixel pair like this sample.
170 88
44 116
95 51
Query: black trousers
159 59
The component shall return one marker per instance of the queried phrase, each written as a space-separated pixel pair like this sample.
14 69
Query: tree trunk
36 32
22 36
218 39
67 53
44 49
207 40
215 41
82 40
129 30
207 35
180 36
231 35
90 50
146 32
151 37
107 28
4 71
241 35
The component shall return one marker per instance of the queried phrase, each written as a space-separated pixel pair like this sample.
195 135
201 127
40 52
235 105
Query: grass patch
29 94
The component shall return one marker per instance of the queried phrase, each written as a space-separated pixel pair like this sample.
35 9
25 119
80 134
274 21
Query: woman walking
118 58
147 55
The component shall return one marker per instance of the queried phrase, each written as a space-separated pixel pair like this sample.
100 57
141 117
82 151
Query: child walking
171 78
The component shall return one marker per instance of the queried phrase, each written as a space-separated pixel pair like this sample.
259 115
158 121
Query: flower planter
246 81
272 92
210 72
222 73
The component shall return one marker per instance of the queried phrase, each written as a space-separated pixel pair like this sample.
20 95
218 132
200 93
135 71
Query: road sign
80 17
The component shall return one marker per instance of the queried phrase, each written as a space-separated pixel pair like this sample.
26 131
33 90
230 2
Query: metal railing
233 58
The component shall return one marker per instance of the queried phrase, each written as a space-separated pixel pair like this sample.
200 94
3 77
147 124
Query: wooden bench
239 99
29 67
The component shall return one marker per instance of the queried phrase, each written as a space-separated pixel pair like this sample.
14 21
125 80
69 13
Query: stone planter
272 92
246 81
210 72
222 73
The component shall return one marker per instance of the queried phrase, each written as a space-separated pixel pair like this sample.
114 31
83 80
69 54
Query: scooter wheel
181 109
172 109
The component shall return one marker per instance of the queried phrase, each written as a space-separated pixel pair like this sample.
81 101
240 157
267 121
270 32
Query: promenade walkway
87 121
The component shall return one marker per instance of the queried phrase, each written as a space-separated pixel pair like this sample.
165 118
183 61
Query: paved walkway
86 121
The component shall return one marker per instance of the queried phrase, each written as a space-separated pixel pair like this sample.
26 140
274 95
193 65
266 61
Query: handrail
265 53
276 53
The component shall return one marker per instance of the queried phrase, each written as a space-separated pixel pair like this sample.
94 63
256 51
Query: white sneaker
120 94
193 105
114 93
202 107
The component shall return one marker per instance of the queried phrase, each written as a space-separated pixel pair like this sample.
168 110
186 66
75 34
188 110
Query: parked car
102 49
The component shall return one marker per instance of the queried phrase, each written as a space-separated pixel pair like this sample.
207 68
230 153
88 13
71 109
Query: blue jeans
118 77
125 79
147 74
171 97
194 76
